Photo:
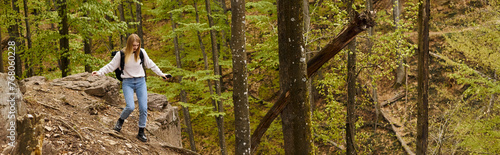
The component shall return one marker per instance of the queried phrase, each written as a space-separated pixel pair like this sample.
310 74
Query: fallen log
398 135
356 26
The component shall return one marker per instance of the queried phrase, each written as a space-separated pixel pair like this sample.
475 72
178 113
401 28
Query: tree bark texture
296 116
351 89
356 26
240 90
123 38
31 134
132 19
138 12
14 35
183 94
218 107
29 59
64 41
307 21
87 44
423 77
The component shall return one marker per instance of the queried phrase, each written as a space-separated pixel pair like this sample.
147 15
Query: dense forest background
191 39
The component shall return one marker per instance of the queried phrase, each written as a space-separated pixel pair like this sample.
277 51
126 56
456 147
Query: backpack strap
141 55
122 61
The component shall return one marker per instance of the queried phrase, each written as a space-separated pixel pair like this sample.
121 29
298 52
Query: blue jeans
138 85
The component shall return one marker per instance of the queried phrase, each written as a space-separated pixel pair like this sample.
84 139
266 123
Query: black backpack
119 71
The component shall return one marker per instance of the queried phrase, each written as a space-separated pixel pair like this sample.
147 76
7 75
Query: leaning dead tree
356 26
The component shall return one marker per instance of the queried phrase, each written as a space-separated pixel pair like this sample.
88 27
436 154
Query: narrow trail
438 33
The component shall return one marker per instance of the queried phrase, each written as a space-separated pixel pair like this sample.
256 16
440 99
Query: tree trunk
205 60
351 89
123 38
87 45
296 116
400 71
356 26
31 134
369 7
307 21
131 14
14 35
1 53
64 41
240 90
423 76
183 94
138 12
225 40
218 107
29 60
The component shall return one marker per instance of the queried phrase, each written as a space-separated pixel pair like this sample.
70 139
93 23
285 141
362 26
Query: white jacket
132 68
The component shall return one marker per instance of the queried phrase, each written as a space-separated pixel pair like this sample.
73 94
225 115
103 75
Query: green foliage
483 136
479 48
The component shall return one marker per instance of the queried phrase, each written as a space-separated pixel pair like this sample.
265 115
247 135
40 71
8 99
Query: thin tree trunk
29 60
138 12
87 45
356 26
14 35
369 7
131 14
1 53
400 71
123 38
64 41
225 40
423 77
205 60
218 107
296 116
183 94
309 55
351 89
240 90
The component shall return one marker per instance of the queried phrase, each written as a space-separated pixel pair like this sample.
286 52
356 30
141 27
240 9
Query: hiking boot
118 125
141 136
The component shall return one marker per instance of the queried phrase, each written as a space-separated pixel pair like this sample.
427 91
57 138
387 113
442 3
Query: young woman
133 80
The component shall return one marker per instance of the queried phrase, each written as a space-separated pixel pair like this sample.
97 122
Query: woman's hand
95 73
166 77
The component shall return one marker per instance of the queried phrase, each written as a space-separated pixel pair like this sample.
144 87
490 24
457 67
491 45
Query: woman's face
135 46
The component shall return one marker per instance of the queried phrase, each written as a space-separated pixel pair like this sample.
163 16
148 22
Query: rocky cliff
75 115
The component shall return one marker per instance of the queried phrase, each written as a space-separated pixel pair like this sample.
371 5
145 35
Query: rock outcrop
11 108
104 87
75 115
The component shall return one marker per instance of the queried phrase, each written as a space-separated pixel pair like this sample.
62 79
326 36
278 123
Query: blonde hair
128 50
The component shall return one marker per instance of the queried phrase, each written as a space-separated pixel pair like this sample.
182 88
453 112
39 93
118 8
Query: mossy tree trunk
351 88
240 90
423 77
296 116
